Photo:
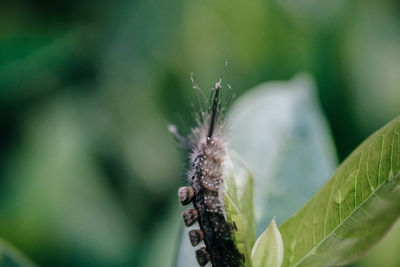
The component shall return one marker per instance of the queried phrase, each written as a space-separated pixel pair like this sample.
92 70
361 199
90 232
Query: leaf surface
279 130
353 210
239 205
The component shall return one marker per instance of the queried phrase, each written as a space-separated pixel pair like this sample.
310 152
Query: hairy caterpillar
206 147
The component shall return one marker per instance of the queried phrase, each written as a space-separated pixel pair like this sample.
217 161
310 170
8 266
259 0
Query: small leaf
240 235
353 210
238 202
268 249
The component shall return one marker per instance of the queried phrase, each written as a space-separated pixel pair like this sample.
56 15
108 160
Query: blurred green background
88 171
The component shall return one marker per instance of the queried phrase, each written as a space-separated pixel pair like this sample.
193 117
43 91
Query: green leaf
268 249
353 210
10 256
386 252
239 205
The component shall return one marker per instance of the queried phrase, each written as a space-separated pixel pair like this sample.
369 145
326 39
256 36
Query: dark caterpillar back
207 151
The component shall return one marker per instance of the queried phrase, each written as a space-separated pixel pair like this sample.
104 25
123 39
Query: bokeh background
88 171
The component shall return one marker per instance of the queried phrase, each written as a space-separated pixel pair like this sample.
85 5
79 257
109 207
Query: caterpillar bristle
178 136
214 108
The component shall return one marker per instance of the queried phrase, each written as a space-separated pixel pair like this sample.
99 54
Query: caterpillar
207 148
